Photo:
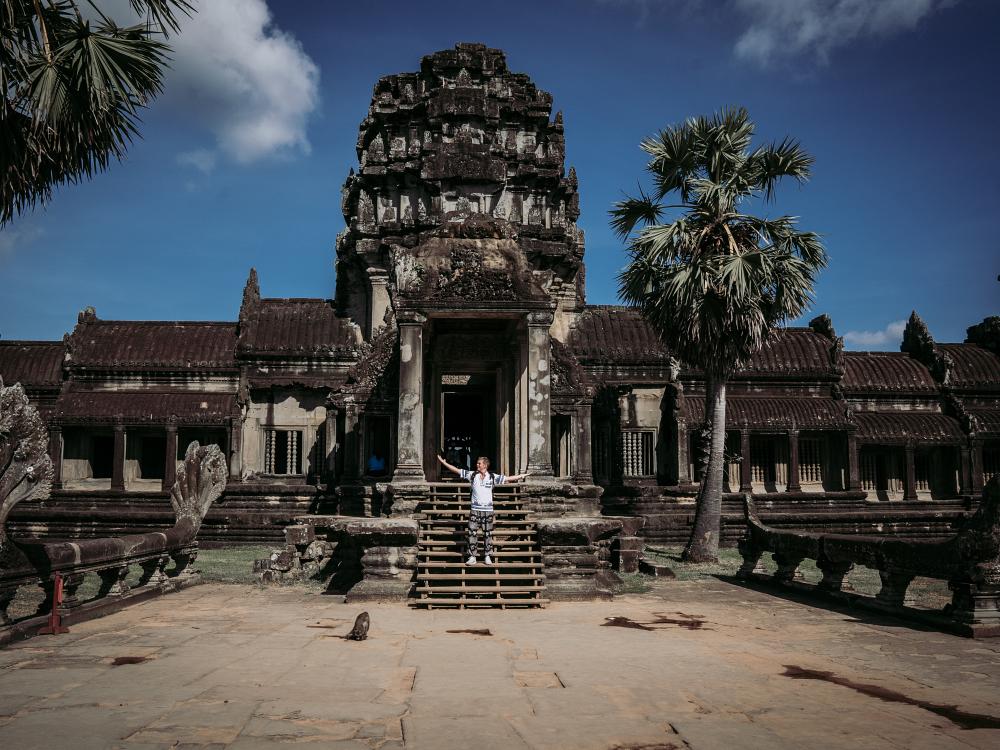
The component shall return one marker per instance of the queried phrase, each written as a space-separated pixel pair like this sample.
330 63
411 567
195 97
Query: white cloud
201 159
890 336
238 75
788 28
17 236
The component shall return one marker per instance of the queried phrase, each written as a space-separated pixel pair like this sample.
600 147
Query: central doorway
468 418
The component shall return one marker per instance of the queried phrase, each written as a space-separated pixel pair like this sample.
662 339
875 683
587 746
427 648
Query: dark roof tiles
296 326
885 372
975 367
616 335
33 364
792 351
146 407
779 413
900 426
145 345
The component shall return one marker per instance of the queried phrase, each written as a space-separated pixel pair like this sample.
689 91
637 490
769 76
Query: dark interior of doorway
468 428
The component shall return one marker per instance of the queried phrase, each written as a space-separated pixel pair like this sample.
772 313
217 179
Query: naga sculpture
25 466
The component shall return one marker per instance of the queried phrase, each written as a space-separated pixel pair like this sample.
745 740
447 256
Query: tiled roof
620 335
885 371
988 420
33 364
141 407
792 351
155 344
617 335
898 426
296 326
767 413
975 367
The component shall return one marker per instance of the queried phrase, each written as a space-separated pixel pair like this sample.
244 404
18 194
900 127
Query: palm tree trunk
703 546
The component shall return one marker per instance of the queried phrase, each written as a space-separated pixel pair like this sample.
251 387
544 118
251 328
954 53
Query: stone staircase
515 579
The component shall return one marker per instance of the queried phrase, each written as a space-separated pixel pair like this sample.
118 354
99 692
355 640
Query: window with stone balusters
282 451
638 458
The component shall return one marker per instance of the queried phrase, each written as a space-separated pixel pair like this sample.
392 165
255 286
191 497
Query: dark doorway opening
469 421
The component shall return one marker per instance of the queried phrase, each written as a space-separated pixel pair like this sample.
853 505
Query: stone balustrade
968 561
60 568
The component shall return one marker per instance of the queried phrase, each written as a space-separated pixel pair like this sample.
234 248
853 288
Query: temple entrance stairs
515 579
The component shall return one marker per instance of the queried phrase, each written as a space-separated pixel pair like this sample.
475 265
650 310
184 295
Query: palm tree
713 282
73 86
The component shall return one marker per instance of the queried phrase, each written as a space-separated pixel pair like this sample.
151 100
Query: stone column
410 424
910 481
583 471
378 280
976 471
56 455
352 440
539 403
118 463
964 471
793 462
853 469
746 479
235 449
170 459
683 457
330 425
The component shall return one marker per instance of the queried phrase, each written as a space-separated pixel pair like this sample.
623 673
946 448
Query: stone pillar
583 471
793 462
170 459
910 481
56 455
330 425
352 440
976 471
853 469
964 471
235 449
746 483
378 280
539 403
118 463
683 457
410 424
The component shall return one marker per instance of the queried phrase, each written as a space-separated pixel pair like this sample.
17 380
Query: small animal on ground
360 630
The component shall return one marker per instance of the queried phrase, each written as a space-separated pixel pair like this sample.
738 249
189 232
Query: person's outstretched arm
448 466
519 477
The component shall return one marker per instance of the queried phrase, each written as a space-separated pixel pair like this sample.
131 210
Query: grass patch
230 564
634 583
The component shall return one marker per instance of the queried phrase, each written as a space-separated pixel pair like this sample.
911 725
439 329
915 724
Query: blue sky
242 159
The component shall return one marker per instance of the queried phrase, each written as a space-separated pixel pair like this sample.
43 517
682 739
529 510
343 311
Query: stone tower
462 150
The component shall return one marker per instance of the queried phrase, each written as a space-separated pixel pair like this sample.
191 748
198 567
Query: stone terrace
696 664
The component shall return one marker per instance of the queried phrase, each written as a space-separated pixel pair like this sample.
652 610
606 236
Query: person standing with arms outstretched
482 481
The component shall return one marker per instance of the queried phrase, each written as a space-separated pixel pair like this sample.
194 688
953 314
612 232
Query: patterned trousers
480 519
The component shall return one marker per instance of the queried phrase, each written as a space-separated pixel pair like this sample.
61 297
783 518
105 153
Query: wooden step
480 589
483 578
496 564
496 554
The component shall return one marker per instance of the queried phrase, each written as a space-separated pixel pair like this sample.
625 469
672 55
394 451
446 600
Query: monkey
360 630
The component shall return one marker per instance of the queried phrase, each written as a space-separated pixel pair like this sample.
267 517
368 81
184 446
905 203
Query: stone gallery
460 326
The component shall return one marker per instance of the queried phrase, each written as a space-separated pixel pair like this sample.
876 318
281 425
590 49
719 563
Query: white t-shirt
482 488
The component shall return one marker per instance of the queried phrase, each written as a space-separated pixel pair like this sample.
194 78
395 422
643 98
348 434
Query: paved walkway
699 665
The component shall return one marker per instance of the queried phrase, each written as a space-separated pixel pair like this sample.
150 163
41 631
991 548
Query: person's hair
483 458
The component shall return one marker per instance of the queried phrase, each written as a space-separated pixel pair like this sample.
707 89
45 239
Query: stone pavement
701 664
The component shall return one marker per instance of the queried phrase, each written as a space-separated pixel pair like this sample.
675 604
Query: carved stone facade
460 326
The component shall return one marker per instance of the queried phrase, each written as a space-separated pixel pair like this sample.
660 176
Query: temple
460 325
